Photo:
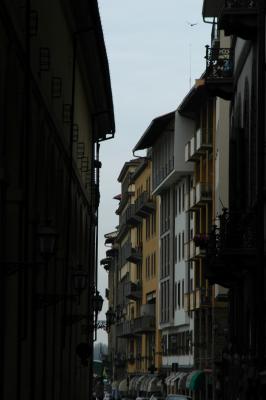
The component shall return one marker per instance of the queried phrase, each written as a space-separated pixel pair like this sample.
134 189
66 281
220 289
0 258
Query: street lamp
47 240
97 302
80 280
110 318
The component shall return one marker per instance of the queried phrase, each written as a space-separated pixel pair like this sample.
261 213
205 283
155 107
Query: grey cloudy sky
151 49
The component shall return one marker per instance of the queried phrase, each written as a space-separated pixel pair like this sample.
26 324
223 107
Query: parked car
178 397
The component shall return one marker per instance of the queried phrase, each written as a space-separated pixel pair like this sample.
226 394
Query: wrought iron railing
219 62
241 4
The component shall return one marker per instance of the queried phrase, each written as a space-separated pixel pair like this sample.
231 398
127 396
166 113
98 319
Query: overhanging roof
212 8
89 35
153 131
191 103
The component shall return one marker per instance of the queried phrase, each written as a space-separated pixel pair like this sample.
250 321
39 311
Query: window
183 197
179 200
183 293
183 245
179 246
178 294
175 296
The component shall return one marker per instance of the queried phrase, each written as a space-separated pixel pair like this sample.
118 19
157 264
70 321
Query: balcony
203 298
192 300
203 193
231 248
187 302
192 197
239 17
111 252
125 329
144 205
147 310
106 262
219 72
192 250
144 324
201 243
190 150
187 201
132 290
131 218
203 142
187 252
133 254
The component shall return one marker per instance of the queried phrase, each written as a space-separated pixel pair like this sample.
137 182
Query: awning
194 380
182 381
123 386
169 378
138 382
152 384
143 385
175 379
132 383
114 385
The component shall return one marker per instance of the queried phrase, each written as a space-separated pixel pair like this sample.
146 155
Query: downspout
260 184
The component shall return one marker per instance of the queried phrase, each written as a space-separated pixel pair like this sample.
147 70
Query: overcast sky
153 54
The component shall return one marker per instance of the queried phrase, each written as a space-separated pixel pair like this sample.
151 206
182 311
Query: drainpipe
260 184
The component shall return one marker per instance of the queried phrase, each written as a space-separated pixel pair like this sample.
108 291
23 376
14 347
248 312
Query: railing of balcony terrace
203 141
133 254
192 300
144 204
219 62
203 192
192 198
132 290
192 249
125 328
144 324
203 297
126 183
187 302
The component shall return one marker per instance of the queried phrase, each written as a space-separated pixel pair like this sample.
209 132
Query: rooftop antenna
189 66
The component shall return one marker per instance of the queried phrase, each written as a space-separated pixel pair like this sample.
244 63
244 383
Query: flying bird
192 23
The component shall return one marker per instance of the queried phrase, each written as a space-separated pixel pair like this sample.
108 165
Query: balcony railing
144 324
192 249
239 17
187 302
203 298
231 247
125 329
187 252
192 203
131 217
144 205
147 310
203 142
190 150
203 193
219 71
132 290
133 254
192 300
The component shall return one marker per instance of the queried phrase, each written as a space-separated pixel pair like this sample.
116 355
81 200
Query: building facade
57 108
